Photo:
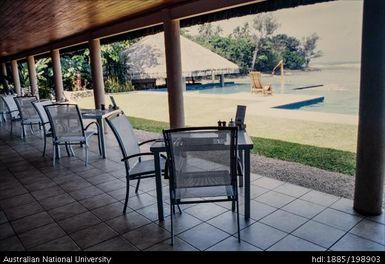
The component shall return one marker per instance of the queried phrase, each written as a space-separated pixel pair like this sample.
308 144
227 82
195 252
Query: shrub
112 85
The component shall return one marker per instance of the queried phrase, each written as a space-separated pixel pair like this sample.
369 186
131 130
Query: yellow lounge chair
257 86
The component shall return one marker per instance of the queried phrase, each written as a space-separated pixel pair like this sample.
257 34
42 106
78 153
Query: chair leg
54 154
31 128
45 141
22 132
172 223
137 186
127 194
99 146
67 149
58 151
239 232
11 125
86 150
72 151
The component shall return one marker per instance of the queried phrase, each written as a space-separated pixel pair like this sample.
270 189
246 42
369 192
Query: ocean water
338 83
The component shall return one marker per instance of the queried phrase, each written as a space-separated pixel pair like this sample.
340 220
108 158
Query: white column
97 73
369 185
57 74
16 77
174 71
32 76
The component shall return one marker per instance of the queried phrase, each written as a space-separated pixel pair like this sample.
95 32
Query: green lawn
148 125
323 158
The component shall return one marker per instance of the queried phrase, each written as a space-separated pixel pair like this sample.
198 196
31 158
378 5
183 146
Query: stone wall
76 95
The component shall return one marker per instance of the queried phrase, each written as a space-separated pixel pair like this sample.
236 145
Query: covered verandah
72 207
169 15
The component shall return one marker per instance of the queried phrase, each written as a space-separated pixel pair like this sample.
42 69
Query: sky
337 23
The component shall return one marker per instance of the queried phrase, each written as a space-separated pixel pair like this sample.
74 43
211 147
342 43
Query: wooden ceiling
27 24
35 27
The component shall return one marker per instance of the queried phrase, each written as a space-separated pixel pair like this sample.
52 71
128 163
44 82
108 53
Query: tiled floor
73 207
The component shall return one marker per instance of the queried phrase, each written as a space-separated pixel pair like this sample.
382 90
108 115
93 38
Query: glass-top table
99 116
245 144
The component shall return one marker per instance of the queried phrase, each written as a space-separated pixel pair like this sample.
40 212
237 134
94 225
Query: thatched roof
146 59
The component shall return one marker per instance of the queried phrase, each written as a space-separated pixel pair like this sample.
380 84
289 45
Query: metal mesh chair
136 167
202 166
28 114
44 121
67 128
3 111
12 111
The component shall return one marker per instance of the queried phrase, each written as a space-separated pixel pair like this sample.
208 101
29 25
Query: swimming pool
339 85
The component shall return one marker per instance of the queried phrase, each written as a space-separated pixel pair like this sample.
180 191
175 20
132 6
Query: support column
16 77
97 73
174 71
3 69
369 185
57 74
32 76
222 80
3 72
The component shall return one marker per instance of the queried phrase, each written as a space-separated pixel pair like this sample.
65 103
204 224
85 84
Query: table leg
101 137
247 183
240 155
158 179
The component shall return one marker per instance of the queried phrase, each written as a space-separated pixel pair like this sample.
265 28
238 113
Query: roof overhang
35 27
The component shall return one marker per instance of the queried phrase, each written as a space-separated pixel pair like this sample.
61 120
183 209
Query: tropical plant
259 45
76 70
115 61
44 75
309 45
113 85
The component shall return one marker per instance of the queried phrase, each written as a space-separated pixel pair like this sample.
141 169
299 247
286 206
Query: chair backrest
39 107
65 120
25 107
240 115
256 80
3 106
114 105
209 151
124 133
11 105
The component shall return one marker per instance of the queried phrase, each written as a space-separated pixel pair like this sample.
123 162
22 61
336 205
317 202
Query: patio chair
44 121
136 168
28 114
257 86
3 111
68 129
202 166
12 111
114 105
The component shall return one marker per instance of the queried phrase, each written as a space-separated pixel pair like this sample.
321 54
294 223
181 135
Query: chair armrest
138 155
147 141
92 123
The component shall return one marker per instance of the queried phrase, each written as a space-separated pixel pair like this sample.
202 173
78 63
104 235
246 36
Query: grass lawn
323 158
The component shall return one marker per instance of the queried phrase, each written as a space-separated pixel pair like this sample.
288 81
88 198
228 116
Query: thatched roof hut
146 59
